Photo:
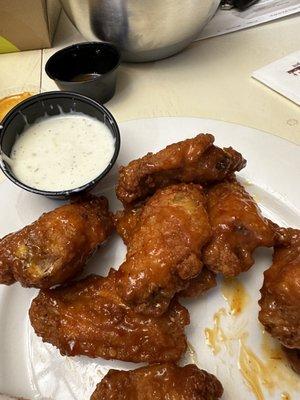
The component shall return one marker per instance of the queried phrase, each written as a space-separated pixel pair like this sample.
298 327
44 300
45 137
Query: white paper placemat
283 76
226 21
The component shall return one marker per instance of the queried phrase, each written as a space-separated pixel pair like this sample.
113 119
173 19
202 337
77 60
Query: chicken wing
159 382
194 160
293 357
164 247
205 281
89 318
280 294
56 247
238 228
126 222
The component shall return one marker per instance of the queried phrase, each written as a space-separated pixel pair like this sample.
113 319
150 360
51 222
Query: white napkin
283 76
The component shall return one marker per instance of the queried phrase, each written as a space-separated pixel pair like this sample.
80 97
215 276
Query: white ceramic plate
32 369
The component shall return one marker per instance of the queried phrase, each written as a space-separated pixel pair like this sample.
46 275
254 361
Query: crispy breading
205 281
159 382
194 160
89 318
55 248
238 228
280 294
164 240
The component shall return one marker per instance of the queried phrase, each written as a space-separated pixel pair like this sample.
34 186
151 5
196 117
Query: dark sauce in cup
85 77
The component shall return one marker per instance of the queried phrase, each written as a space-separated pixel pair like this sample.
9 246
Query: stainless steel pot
144 30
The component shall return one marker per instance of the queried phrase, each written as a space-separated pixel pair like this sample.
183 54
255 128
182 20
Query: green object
6 46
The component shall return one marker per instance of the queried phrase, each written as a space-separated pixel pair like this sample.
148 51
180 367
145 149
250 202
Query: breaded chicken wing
238 228
126 222
280 294
205 281
194 160
55 248
293 357
159 382
164 247
89 318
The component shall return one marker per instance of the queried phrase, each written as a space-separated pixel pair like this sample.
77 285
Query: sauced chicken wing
159 382
126 223
194 160
89 318
293 357
164 246
280 294
205 281
238 228
56 247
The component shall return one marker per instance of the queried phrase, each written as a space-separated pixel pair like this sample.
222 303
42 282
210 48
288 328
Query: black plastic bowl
50 104
99 58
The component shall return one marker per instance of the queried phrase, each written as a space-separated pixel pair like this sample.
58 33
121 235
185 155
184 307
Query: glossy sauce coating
164 248
159 382
280 294
235 294
238 228
89 318
55 248
126 222
205 281
194 160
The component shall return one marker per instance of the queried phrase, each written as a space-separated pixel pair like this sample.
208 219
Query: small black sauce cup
98 58
46 105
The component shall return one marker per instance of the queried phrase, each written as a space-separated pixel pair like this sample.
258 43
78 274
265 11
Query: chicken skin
194 160
164 247
126 223
238 228
280 294
55 248
293 357
159 382
205 281
89 318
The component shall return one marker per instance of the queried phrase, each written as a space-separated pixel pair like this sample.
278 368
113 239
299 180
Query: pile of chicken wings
186 218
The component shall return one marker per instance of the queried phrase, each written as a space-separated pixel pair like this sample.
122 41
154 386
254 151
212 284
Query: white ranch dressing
62 152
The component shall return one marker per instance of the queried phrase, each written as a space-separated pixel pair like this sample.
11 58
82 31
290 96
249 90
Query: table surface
210 79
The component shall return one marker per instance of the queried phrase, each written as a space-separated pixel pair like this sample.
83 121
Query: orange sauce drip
272 372
254 371
237 298
7 103
216 335
235 294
